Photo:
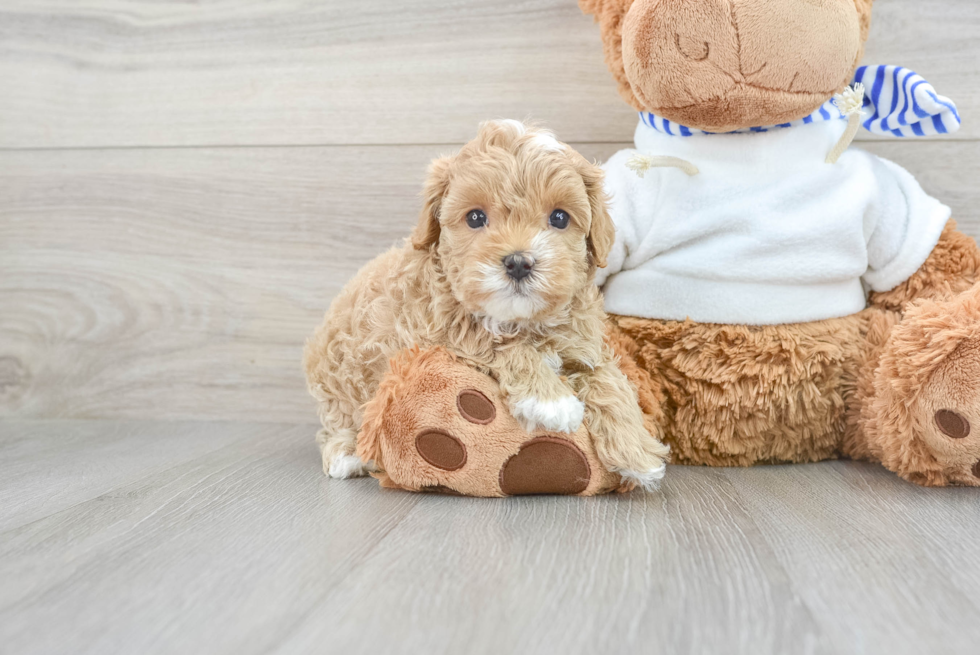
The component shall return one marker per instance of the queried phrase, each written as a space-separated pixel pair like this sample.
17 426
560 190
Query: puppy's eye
559 219
476 219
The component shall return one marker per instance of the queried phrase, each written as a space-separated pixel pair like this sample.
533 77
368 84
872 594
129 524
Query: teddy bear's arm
952 267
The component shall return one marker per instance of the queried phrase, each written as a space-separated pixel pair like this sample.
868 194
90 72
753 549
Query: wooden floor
216 537
185 186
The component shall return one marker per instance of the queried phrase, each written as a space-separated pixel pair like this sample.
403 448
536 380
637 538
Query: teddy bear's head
721 65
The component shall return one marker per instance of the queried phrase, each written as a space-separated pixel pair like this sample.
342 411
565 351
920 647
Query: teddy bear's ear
426 233
610 15
864 15
599 8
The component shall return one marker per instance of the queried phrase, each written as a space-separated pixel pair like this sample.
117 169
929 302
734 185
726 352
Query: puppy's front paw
648 480
348 466
641 465
562 415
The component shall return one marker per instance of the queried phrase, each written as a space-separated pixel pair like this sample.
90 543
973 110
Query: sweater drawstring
640 164
850 102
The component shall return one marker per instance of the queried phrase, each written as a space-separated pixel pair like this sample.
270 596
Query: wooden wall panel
181 283
93 73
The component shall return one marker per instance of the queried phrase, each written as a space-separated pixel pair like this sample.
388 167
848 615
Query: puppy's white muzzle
518 299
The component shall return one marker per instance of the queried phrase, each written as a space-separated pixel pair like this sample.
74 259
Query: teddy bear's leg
919 392
920 398
736 395
642 368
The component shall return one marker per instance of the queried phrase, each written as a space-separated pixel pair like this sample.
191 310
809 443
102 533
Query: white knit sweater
766 233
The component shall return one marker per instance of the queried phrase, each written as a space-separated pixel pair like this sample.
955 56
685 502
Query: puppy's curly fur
540 336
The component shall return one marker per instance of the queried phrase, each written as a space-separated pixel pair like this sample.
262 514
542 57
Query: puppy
500 271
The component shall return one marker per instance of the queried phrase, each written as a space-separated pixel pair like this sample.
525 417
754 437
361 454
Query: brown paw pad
441 449
976 470
546 465
475 407
953 425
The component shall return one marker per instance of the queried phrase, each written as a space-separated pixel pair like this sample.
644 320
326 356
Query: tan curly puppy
500 271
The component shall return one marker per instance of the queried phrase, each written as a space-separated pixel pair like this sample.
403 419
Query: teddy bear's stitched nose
518 265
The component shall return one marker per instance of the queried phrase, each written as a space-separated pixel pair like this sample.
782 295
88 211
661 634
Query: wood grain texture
83 459
221 554
855 541
138 72
247 548
182 283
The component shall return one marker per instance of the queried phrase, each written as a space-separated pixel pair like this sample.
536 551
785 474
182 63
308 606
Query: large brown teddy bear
766 327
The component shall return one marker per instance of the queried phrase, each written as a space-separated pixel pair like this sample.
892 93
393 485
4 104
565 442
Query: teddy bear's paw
949 415
438 425
933 437
562 415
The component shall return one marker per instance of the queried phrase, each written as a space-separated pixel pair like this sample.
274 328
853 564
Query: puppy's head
517 221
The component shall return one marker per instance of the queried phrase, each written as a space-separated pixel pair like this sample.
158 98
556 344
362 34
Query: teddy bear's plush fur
897 382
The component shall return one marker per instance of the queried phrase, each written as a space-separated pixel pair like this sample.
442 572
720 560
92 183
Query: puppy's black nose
518 266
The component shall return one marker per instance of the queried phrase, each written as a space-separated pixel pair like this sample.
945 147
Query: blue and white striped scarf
897 102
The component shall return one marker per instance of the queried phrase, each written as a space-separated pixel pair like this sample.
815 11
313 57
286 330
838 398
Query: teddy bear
782 296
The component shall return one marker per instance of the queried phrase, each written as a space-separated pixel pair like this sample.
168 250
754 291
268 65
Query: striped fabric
897 102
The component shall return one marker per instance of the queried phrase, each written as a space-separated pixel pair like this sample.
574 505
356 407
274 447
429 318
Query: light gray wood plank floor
219 537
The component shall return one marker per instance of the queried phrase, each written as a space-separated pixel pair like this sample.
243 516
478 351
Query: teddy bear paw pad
475 407
441 449
546 465
952 424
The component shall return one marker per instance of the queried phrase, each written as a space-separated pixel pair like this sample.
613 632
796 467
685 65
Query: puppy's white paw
648 480
348 466
562 415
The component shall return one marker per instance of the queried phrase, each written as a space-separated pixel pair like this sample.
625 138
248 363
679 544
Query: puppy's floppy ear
426 233
602 232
